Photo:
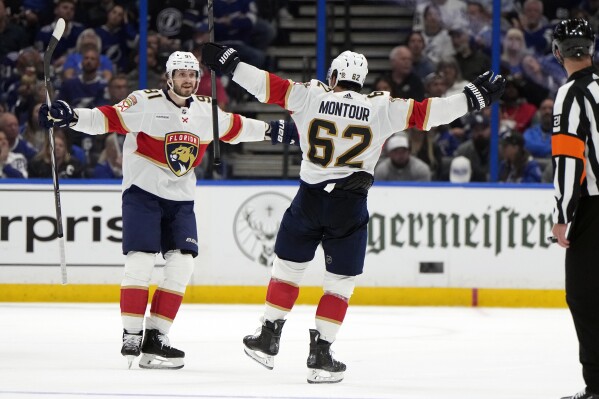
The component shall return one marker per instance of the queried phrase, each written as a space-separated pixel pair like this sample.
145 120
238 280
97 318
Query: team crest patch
126 103
181 151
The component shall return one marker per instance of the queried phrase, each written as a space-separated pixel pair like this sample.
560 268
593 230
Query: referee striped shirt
575 142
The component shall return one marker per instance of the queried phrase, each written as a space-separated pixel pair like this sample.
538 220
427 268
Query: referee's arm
568 150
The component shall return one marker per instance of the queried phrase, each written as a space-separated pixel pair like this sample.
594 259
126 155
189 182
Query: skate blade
317 376
130 359
148 361
265 360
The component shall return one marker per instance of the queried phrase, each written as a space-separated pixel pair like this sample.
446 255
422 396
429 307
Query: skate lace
131 341
164 341
580 394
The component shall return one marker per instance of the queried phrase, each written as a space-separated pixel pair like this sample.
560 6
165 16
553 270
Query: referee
576 171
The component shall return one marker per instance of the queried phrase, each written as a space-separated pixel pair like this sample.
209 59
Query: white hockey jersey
343 132
165 142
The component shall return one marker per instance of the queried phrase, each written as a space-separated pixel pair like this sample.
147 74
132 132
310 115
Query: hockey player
167 132
341 135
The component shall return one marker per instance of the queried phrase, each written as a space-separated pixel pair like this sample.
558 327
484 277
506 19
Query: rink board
482 245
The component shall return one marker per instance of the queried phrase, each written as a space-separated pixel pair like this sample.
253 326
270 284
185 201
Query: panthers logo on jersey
181 151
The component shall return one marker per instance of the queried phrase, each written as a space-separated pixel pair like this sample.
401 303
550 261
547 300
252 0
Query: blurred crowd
450 45
96 61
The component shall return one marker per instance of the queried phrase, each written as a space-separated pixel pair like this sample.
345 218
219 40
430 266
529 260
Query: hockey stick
215 135
56 35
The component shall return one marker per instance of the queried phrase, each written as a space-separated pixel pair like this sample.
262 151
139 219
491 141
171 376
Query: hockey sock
280 298
133 307
165 305
329 315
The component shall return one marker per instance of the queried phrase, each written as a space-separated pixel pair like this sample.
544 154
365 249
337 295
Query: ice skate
131 346
322 367
263 346
583 395
158 354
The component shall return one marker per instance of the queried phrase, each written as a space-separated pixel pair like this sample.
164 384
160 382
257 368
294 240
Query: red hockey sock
166 303
134 301
332 308
281 295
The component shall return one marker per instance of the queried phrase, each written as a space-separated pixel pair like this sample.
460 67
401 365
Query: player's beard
184 92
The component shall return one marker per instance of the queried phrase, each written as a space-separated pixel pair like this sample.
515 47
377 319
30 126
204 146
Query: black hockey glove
484 90
60 114
283 132
219 58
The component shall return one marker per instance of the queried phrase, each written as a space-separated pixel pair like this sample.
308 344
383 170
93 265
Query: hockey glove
282 132
219 58
484 90
60 114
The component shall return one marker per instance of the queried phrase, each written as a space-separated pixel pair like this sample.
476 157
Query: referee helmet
573 37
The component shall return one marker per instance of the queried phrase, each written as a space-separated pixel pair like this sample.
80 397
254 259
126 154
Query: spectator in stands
97 12
460 170
119 37
12 36
471 61
476 149
518 166
450 70
73 64
536 28
23 86
451 11
437 41
547 176
399 164
12 165
516 112
66 165
88 88
205 86
383 83
421 64
154 73
423 147
62 9
514 50
406 84
175 21
10 126
110 162
533 72
447 137
479 25
33 133
237 25
537 138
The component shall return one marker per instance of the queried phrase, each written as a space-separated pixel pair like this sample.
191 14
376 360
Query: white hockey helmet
350 67
182 60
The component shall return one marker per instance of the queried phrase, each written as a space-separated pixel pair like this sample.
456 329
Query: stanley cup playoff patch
181 151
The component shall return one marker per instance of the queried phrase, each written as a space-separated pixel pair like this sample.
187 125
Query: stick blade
59 29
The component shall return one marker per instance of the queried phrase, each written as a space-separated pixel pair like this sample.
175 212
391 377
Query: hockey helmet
350 67
182 60
573 37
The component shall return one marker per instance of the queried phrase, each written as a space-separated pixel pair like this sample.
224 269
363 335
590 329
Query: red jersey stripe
277 90
201 152
115 122
419 115
151 148
234 128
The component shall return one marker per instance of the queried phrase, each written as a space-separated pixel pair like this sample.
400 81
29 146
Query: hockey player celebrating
341 135
167 132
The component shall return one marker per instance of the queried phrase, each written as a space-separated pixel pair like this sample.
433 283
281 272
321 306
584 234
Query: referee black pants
582 286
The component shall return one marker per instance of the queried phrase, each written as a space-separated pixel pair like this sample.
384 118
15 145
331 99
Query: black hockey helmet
573 37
